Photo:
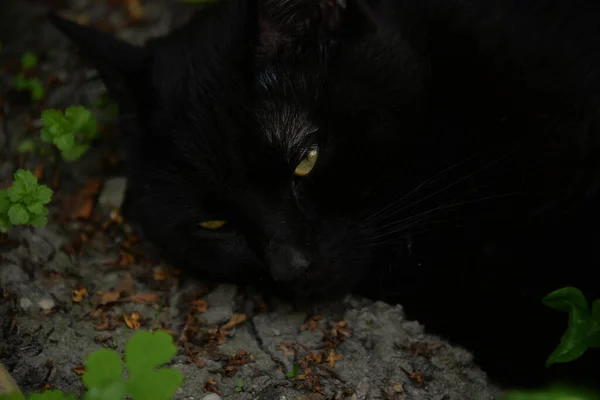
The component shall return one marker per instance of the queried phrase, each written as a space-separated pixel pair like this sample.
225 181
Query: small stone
113 193
212 396
25 303
46 304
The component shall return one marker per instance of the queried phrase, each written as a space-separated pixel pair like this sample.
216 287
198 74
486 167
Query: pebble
46 304
113 193
212 396
25 303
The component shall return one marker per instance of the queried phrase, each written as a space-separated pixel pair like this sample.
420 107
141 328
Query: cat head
265 137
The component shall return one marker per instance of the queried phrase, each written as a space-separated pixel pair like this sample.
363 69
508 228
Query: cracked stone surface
350 349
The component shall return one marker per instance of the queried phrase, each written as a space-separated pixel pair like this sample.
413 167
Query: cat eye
308 163
212 224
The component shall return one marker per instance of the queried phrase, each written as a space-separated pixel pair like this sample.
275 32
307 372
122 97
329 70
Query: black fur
458 172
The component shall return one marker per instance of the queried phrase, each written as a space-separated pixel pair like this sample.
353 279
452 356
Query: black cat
443 154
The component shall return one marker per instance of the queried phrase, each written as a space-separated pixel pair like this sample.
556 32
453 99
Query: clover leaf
583 331
145 352
104 376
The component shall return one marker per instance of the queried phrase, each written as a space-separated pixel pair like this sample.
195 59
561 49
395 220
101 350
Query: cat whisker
422 185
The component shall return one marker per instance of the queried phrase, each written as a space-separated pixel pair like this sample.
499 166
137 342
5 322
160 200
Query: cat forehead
283 112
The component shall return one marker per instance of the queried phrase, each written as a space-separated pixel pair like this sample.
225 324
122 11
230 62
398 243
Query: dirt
85 281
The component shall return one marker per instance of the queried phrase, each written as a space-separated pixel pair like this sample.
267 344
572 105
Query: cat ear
115 60
284 21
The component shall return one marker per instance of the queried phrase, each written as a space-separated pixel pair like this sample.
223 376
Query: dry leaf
38 172
199 306
125 285
133 320
145 298
235 320
135 9
160 274
103 298
79 294
80 370
332 357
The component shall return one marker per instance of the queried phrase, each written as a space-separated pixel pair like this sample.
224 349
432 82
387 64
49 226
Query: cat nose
288 263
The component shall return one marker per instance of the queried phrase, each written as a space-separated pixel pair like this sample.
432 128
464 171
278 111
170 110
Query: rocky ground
86 282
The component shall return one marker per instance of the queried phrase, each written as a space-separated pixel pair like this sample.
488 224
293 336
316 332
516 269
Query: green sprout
33 85
145 352
293 372
70 132
28 60
23 202
239 385
583 331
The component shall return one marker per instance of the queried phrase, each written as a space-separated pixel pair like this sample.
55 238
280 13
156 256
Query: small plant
552 393
71 132
583 331
145 352
293 372
32 84
28 60
23 202
239 385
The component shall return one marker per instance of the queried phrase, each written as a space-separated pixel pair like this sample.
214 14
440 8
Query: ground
85 282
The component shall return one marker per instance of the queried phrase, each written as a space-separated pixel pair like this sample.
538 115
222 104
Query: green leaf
39 220
22 83
43 194
64 142
37 89
565 299
293 372
52 117
36 208
103 367
144 352
46 135
155 385
75 152
5 224
78 116
239 385
16 193
18 215
12 396
28 60
113 391
25 177
26 146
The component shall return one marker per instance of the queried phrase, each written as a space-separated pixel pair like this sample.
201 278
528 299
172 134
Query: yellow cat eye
212 224
308 163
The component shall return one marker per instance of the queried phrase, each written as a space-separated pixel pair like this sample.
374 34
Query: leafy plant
71 132
293 372
553 393
583 331
239 385
145 352
23 202
32 84
28 60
